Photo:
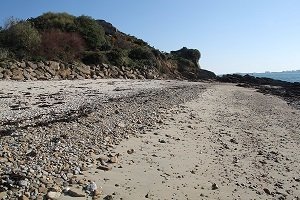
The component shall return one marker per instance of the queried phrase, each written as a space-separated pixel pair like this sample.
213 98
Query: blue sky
232 35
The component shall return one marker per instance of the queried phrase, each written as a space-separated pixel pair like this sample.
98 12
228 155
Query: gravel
47 146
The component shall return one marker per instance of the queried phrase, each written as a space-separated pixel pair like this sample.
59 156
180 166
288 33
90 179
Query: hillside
62 46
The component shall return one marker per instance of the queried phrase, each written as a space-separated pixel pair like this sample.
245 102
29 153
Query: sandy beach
211 141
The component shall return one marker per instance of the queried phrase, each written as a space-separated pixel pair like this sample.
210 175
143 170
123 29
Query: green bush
140 53
22 39
50 20
4 53
116 57
91 31
91 57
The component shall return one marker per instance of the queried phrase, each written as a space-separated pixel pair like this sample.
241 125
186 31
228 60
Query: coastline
185 136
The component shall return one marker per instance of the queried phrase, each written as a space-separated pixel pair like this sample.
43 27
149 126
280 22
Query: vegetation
67 38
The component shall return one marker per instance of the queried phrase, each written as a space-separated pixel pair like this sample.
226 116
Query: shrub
91 57
116 57
65 46
4 53
140 53
50 20
22 38
91 31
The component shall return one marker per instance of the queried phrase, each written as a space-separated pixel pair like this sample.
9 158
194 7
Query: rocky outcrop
188 54
288 91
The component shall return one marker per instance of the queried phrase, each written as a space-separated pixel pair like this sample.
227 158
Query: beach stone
24 183
113 159
130 151
3 195
91 187
267 191
42 190
23 197
74 193
97 193
214 186
105 167
53 195
108 197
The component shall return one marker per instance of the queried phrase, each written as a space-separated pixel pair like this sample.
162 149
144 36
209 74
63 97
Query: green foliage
189 54
49 20
184 64
91 31
116 57
140 53
92 57
22 39
4 53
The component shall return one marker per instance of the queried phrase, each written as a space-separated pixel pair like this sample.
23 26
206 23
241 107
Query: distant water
284 76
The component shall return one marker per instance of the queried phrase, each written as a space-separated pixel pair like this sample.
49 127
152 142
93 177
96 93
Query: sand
230 143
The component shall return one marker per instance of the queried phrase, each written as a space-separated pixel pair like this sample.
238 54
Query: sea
290 76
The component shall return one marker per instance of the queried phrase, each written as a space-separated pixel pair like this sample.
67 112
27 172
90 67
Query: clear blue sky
232 35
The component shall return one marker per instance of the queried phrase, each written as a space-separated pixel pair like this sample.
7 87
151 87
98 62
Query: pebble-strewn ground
53 131
132 140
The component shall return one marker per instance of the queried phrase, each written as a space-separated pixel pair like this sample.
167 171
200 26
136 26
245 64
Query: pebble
130 151
55 139
214 186
105 167
91 187
74 193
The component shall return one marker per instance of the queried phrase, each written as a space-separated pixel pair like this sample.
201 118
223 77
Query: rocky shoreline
43 154
290 92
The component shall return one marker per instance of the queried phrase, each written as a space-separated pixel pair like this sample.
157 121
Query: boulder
31 65
53 65
84 69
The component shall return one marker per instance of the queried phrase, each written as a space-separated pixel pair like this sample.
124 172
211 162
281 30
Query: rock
31 65
74 193
53 65
161 141
24 183
105 167
53 195
84 69
97 193
130 151
42 190
233 140
91 187
3 195
103 158
113 159
108 197
23 197
214 186
267 191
